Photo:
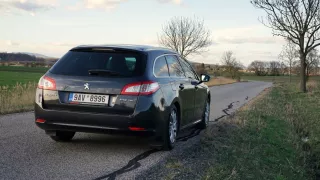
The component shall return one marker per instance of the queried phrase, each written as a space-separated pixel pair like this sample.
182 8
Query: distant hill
28 57
25 57
37 55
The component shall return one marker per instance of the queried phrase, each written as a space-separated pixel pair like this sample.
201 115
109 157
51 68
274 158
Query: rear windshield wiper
103 72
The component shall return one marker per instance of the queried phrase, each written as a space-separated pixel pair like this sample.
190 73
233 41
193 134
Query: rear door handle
181 86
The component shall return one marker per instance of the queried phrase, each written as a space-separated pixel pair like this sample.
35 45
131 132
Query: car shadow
105 140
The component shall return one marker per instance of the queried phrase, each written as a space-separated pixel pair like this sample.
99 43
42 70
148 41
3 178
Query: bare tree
231 65
284 69
289 54
259 68
312 62
274 68
296 67
185 35
296 20
315 63
254 66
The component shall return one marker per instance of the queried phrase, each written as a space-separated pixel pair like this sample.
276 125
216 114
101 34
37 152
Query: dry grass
253 101
17 98
312 86
260 142
220 81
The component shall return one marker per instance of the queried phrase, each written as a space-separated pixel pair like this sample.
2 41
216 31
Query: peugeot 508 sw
121 88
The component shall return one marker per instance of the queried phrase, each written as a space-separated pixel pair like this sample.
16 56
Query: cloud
11 43
96 4
178 2
102 4
245 52
243 40
30 6
63 44
109 4
34 6
149 41
256 34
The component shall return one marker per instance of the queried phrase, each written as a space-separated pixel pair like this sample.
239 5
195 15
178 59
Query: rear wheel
171 131
205 117
63 136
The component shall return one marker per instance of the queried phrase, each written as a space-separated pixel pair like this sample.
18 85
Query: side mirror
205 78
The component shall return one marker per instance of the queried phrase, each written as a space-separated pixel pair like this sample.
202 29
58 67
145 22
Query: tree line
24 59
288 63
297 21
229 67
18 57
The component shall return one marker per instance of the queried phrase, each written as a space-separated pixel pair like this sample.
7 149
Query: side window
161 68
188 69
175 69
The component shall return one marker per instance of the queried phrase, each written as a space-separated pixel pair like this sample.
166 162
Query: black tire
169 140
205 117
63 136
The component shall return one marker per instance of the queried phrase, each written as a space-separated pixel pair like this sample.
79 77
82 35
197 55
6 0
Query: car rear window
79 63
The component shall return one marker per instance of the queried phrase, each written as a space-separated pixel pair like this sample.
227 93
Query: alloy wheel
173 126
207 113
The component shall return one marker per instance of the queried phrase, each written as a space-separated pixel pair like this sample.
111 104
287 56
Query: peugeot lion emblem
86 86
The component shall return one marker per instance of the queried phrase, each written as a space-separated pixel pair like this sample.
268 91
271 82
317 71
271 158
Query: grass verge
275 137
282 79
18 98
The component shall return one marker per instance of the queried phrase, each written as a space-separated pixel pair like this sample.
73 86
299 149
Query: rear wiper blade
104 72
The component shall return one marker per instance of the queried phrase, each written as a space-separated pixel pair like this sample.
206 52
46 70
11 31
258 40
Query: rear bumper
151 121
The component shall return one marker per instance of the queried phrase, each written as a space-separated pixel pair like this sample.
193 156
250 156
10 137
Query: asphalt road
27 153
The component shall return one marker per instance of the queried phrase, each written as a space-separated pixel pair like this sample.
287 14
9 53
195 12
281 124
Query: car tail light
140 88
47 83
136 129
40 120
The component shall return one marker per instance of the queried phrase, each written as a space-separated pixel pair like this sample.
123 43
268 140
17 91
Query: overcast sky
52 27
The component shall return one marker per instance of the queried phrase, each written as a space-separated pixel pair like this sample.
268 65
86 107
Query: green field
24 69
12 75
8 78
277 78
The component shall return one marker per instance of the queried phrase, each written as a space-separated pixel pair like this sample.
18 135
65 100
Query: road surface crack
134 163
225 111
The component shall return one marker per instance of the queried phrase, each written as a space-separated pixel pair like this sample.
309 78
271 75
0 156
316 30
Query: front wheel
63 136
171 131
205 117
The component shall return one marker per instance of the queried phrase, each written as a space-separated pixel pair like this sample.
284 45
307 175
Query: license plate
76 98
